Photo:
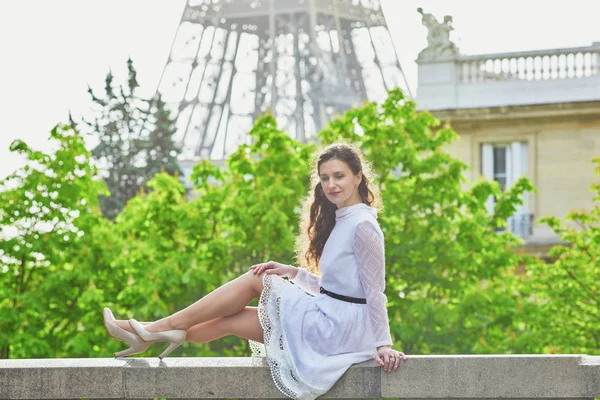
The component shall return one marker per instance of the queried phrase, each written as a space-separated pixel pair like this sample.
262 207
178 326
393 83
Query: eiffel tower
302 60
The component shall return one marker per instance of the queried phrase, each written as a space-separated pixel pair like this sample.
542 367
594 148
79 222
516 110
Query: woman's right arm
309 282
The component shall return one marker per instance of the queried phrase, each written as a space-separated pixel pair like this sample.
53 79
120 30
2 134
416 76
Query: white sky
51 50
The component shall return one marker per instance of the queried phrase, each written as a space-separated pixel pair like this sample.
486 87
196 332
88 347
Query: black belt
343 298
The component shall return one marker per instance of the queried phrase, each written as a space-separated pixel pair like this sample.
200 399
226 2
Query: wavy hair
318 213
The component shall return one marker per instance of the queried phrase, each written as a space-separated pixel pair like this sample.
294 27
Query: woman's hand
273 267
389 358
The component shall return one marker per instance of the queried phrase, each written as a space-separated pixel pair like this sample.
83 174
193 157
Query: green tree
161 150
47 210
119 131
135 140
564 294
264 183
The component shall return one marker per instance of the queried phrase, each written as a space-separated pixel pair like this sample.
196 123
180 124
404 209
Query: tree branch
69 308
585 288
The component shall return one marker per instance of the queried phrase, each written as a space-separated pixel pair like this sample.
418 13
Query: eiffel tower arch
304 60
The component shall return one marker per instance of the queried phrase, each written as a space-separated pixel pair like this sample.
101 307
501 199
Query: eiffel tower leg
354 68
214 110
319 114
376 58
273 66
198 106
260 85
299 116
187 87
261 77
227 103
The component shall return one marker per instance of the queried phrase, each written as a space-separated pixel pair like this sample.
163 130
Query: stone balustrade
505 79
420 377
568 63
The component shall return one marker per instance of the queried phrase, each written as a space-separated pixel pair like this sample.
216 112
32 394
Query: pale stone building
533 114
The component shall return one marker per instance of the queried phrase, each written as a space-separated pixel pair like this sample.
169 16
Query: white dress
311 339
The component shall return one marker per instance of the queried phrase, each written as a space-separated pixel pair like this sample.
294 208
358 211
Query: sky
50 51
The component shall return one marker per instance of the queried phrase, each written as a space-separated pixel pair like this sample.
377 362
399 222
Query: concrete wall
420 377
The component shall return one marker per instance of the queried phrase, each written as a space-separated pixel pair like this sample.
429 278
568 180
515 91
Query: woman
313 330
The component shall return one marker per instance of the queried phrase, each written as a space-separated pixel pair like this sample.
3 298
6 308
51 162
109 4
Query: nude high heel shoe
137 345
175 337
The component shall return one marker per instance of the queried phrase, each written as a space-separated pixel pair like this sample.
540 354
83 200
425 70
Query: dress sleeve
310 282
370 254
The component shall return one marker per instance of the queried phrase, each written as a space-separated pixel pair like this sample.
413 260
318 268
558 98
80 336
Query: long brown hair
318 213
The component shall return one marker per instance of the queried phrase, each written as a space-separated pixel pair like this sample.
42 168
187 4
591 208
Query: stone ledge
420 377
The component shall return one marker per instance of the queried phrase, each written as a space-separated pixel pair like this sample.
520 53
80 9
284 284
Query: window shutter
520 224
487 170
515 162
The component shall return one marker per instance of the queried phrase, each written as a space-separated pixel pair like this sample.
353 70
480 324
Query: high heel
175 337
137 345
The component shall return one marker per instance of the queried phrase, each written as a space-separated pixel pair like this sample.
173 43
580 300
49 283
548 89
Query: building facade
534 114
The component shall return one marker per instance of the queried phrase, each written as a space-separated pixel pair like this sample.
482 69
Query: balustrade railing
521 225
569 63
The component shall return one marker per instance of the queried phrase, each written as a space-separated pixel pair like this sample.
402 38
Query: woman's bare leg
243 324
224 301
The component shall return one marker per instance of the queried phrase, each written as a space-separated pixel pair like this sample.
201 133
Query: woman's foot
137 345
175 337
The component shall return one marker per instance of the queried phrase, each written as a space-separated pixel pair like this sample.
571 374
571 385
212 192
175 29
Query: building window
499 167
505 163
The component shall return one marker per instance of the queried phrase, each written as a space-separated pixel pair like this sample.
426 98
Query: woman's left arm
370 254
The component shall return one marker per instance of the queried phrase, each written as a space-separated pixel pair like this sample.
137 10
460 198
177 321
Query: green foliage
161 151
566 291
46 214
119 131
260 190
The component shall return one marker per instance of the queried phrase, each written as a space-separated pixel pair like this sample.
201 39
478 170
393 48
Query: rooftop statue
439 44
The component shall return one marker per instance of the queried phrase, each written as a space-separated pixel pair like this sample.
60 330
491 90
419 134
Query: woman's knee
255 282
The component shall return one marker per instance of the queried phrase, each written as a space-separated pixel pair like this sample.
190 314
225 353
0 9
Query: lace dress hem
275 348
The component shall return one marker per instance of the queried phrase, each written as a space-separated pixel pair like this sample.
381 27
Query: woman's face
339 183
